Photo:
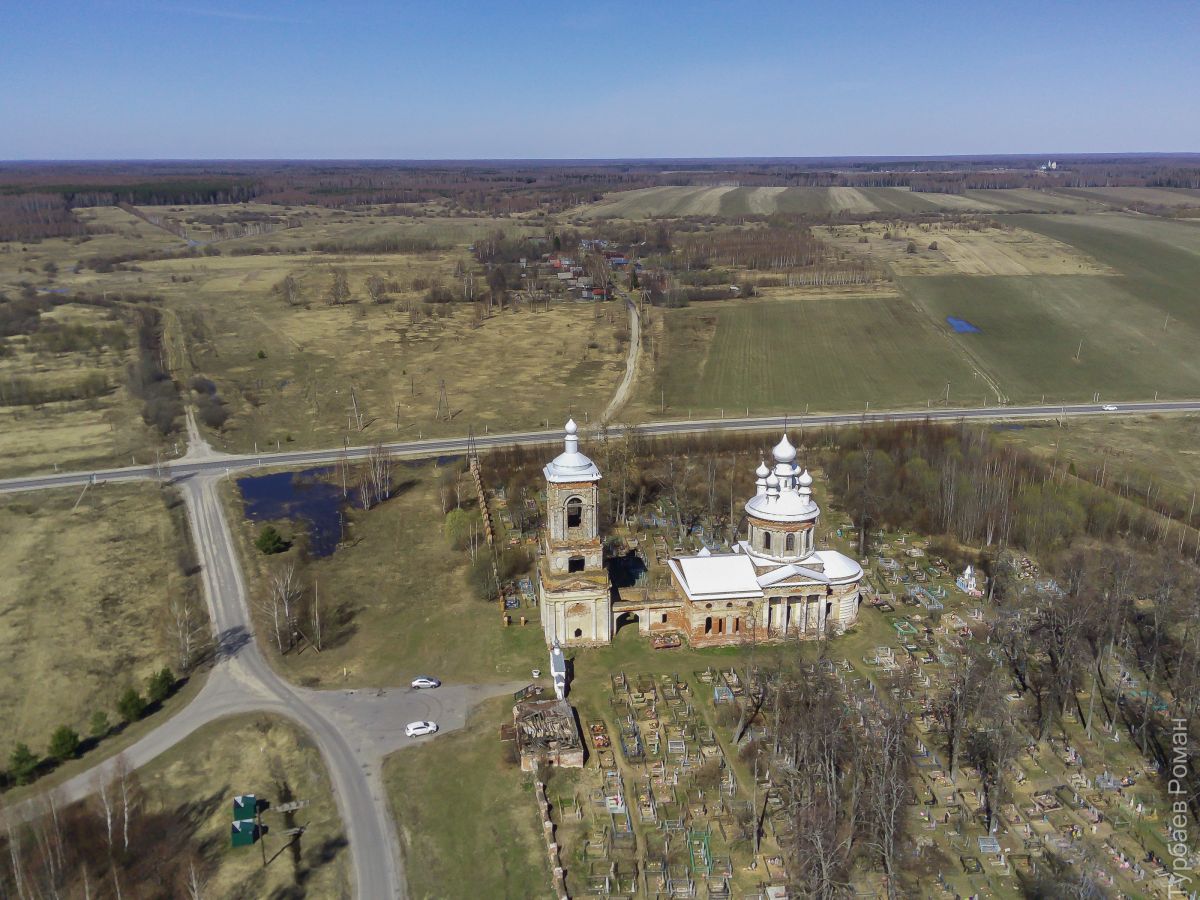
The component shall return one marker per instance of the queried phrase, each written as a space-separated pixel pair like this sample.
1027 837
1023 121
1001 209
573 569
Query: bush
132 705
22 764
213 411
481 579
513 562
64 743
911 248
459 523
100 724
262 354
270 541
160 686
933 245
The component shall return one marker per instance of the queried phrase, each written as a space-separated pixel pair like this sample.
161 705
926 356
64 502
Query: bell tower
572 581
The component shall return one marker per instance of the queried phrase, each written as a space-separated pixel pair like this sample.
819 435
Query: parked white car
417 729
425 681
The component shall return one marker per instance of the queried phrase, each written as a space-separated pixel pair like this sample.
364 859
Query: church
774 585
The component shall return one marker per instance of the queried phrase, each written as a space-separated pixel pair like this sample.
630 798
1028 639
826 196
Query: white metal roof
571 465
839 567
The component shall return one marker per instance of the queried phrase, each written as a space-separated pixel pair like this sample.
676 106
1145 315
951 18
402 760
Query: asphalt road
213 463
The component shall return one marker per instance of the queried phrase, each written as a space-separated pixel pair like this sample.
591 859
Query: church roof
725 576
571 465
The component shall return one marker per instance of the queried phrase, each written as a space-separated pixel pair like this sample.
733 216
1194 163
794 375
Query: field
467 817
402 595
196 781
1055 307
84 604
297 369
792 354
961 250
733 202
1152 454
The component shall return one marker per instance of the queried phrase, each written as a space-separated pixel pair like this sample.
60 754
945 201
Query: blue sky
123 79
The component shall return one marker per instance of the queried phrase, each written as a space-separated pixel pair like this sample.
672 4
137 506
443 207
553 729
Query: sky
449 79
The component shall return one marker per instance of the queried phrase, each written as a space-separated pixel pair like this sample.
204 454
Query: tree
99 724
64 743
270 541
339 291
187 627
131 705
22 764
160 685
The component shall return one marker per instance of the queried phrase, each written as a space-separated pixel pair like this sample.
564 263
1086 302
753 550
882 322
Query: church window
766 540
578 632
708 625
790 543
737 625
575 564
574 512
664 618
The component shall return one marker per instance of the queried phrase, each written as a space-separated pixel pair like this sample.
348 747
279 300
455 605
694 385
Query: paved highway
214 463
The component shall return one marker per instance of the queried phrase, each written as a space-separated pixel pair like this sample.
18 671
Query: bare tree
187 627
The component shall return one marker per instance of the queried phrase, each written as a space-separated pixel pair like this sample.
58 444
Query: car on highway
425 681
417 729
1108 407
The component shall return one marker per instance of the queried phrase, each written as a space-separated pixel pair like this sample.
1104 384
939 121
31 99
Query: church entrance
626 618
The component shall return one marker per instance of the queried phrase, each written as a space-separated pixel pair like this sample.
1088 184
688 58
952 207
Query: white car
425 681
1108 407
417 729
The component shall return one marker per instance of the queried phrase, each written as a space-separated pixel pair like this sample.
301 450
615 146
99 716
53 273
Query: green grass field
467 817
1138 328
789 354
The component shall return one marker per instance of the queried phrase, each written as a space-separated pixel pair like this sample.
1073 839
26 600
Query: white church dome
784 452
571 465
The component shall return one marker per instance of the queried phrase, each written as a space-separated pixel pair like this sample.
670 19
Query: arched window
766 540
574 512
790 542
708 625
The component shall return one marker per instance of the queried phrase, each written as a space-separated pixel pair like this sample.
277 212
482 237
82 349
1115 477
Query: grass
467 817
1152 452
84 605
791 354
960 250
1032 326
405 596
285 370
274 760
105 430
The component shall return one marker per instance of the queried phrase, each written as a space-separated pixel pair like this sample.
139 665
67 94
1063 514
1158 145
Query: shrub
160 685
933 245
132 705
911 248
64 743
262 354
22 764
100 724
270 541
